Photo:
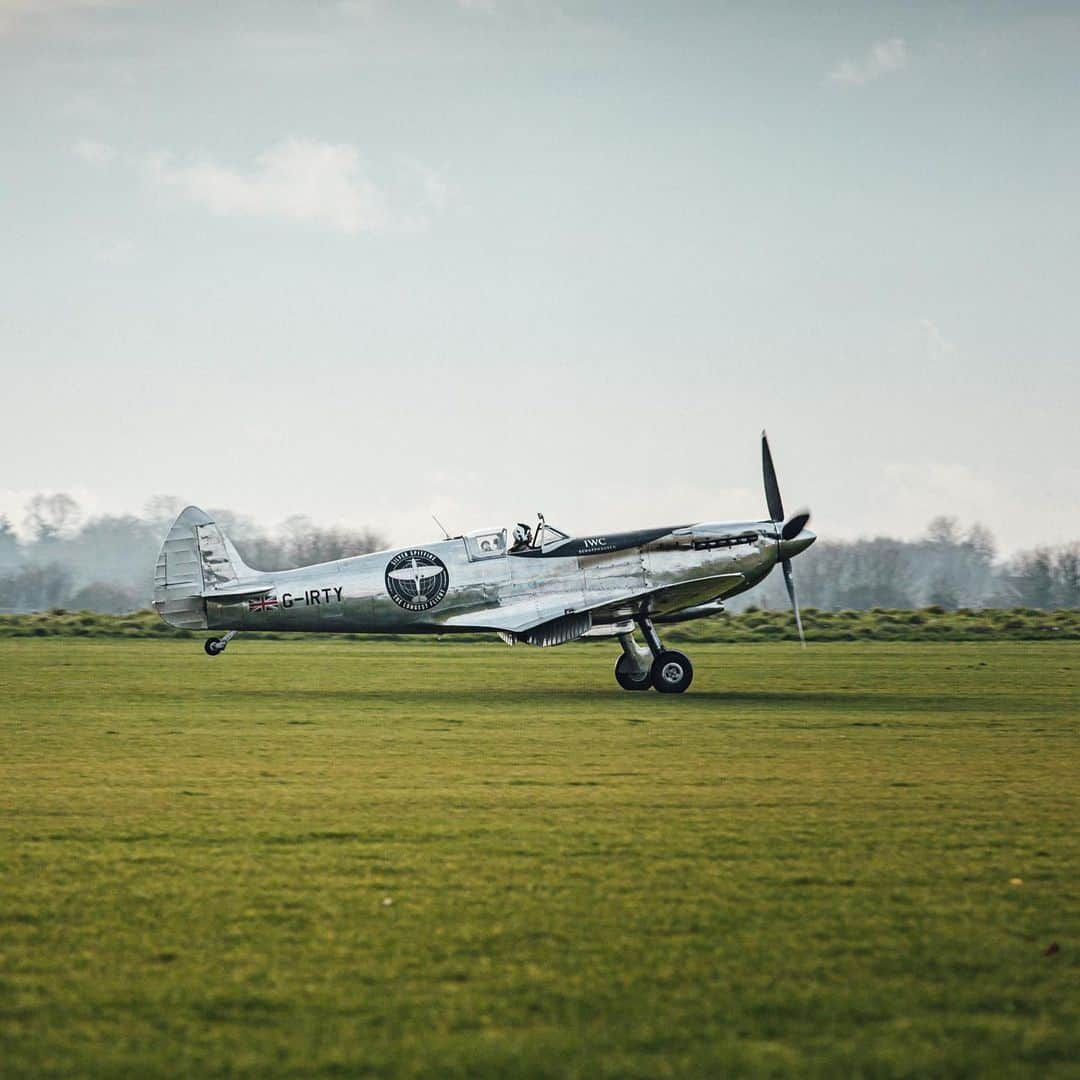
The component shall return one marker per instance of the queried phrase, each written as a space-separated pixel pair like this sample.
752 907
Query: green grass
433 859
878 624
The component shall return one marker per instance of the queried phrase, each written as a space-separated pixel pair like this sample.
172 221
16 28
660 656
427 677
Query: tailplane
196 557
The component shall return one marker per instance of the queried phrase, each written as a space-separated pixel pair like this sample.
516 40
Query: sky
370 261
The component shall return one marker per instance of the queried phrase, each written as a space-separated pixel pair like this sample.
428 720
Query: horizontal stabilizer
238 592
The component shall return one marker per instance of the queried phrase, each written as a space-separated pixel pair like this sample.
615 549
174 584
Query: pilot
522 538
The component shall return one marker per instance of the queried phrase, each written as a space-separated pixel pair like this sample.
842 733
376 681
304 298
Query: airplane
546 589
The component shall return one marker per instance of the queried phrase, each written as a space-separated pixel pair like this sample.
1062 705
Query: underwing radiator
558 631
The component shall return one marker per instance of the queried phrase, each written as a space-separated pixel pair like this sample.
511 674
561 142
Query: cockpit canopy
544 536
491 543
548 535
486 543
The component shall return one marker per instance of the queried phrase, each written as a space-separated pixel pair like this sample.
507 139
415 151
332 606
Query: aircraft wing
528 613
517 616
685 594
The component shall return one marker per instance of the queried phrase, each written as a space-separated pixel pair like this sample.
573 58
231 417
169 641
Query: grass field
439 859
930 624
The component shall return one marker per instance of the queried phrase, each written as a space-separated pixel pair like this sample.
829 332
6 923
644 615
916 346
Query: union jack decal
263 603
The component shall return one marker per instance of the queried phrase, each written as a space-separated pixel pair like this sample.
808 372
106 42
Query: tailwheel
671 672
628 676
215 646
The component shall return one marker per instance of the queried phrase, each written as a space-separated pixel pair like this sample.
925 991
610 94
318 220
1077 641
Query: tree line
105 563
948 567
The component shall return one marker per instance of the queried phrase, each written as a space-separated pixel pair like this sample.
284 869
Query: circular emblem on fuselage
416 580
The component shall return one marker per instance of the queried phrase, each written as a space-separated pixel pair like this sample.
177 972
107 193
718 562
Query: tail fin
195 557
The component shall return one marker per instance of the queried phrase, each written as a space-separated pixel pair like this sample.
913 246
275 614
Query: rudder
195 557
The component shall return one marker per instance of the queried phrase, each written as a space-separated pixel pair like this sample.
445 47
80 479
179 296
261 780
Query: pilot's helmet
520 534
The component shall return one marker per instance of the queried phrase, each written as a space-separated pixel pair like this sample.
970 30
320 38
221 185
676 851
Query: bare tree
10 555
35 588
307 544
1031 573
980 540
1067 572
943 531
48 517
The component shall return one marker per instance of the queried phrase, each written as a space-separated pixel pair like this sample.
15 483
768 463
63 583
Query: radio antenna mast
446 535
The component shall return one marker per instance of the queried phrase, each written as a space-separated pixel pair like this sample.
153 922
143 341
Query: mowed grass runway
432 859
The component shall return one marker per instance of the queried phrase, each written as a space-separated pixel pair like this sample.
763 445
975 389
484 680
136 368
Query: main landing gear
665 670
215 646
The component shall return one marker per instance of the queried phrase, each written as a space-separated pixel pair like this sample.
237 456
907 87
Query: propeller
788 531
772 488
795 526
789 581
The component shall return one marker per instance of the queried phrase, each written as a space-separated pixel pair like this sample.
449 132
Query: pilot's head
521 534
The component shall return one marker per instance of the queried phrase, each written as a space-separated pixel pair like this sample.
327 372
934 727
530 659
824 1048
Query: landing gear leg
648 631
671 671
633 671
215 646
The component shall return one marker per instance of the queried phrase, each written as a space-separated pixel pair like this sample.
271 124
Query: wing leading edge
522 616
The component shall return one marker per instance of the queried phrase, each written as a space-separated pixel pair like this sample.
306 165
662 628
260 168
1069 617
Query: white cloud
299 180
884 58
93 152
938 346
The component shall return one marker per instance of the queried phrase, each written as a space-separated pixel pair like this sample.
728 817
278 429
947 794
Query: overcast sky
372 260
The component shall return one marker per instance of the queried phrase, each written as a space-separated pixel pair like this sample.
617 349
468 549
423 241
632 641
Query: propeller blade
772 488
789 581
795 526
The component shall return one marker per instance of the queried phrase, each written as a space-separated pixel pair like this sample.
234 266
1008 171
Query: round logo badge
416 580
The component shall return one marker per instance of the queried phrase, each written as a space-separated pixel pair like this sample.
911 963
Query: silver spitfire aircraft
544 588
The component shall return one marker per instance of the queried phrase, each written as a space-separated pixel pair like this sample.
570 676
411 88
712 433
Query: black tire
628 679
671 672
214 646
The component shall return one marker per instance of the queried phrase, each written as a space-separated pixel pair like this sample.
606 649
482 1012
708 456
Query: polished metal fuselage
351 595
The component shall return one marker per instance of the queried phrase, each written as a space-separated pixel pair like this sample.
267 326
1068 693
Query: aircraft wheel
671 672
628 678
214 646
